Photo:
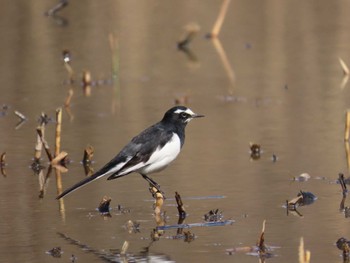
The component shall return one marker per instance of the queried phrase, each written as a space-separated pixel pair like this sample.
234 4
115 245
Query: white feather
160 159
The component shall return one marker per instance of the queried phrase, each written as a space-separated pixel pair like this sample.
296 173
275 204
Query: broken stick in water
304 256
180 206
344 67
347 125
219 21
40 132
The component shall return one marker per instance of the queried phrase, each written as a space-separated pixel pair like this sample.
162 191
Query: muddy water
286 93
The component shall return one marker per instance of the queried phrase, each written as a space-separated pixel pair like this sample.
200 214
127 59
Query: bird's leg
152 183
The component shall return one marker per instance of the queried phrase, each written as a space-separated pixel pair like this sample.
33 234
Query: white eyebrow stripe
188 111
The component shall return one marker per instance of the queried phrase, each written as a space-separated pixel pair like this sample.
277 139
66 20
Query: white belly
162 157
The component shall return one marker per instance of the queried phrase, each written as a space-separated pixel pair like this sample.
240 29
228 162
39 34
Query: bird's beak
197 116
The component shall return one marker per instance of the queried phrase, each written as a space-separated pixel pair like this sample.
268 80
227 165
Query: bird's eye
184 115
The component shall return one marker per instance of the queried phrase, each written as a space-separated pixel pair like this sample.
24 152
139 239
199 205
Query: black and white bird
149 152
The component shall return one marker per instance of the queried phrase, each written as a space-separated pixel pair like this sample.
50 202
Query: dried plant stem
347 152
58 131
39 130
20 115
59 158
2 159
345 68
219 21
59 191
39 143
342 183
347 125
261 241
124 248
88 154
304 256
180 206
159 200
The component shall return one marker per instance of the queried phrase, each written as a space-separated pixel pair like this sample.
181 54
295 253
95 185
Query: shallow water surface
286 92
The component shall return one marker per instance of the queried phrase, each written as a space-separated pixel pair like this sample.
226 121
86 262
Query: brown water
286 96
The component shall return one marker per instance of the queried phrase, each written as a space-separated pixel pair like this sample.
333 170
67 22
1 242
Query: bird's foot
153 184
155 189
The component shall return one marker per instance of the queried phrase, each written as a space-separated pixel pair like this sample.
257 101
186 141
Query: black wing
139 149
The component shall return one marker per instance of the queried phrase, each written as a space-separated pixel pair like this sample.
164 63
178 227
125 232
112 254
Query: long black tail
80 184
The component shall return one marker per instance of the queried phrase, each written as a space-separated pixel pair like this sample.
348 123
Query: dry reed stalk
39 143
38 147
347 125
304 256
59 191
347 152
261 241
59 158
344 67
60 5
2 164
2 159
20 115
159 200
158 203
124 248
86 80
219 21
88 154
180 205
39 131
344 81
58 131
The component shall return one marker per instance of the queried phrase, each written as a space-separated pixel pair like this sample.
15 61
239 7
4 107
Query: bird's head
180 114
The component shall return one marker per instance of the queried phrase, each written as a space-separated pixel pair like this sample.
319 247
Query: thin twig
347 125
2 159
304 256
219 21
20 115
60 5
58 131
344 67
180 206
46 146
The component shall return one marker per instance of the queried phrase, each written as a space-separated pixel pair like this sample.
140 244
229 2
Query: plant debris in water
132 227
303 198
103 207
260 250
213 216
344 245
255 151
56 252
342 181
